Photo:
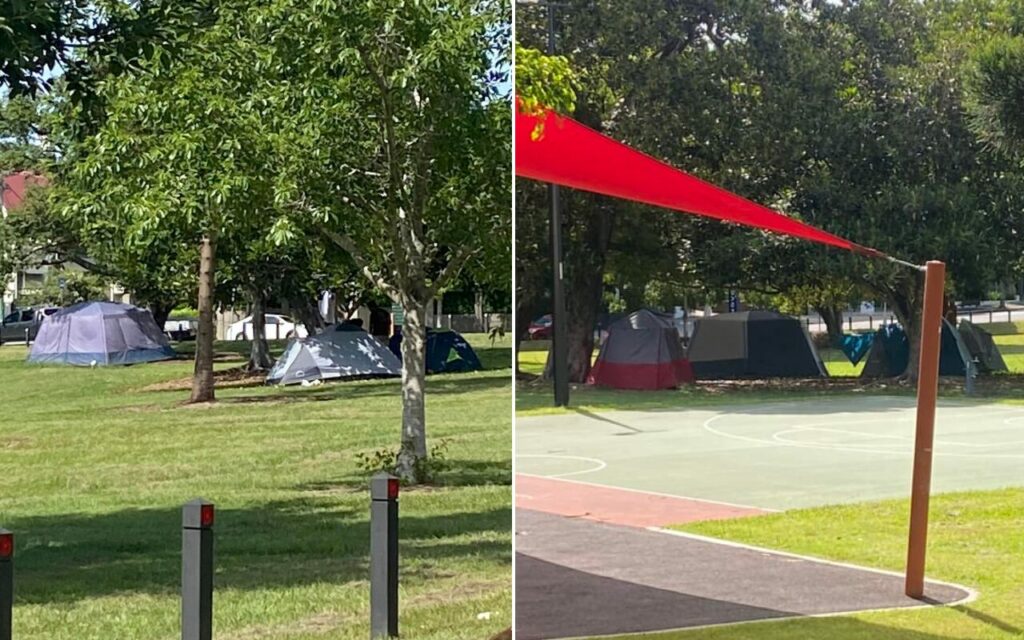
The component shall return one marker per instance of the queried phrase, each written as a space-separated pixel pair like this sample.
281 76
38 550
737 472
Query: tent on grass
447 352
890 353
982 348
100 333
641 351
334 355
753 344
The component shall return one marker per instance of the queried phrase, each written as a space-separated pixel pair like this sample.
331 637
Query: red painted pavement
618 506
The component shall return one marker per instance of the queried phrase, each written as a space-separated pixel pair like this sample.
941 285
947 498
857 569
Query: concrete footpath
578 578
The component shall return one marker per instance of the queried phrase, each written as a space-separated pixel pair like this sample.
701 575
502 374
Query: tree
849 116
179 163
400 154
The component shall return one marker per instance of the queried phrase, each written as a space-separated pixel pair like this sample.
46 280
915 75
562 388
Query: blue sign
734 302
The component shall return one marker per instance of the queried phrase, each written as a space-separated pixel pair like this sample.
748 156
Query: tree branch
450 271
350 247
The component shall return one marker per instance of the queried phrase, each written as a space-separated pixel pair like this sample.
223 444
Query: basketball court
593 491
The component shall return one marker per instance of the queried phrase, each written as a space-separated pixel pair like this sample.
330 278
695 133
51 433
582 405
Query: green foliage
849 116
386 459
544 81
77 287
998 93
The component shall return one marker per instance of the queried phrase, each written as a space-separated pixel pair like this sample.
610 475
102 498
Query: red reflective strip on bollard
393 489
6 545
206 515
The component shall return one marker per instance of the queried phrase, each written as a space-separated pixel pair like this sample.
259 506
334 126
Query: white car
278 328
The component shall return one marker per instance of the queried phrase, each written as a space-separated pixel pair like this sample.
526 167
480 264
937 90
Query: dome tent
447 351
350 353
100 333
642 351
753 344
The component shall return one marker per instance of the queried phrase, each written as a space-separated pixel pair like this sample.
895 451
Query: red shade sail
570 154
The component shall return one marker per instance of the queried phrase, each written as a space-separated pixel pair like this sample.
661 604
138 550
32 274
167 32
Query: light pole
559 334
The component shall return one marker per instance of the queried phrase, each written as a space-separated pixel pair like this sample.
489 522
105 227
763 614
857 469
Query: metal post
927 390
6 583
197 570
383 556
559 333
849 321
871 323
26 336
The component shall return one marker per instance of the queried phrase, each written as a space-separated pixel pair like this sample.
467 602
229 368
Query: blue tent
447 352
100 333
890 353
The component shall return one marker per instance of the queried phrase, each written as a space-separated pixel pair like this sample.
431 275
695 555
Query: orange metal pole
927 390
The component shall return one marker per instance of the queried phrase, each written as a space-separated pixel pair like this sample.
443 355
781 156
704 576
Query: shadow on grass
764 396
70 557
450 384
462 473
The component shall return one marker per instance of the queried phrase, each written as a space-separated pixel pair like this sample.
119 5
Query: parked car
540 329
17 322
278 328
181 328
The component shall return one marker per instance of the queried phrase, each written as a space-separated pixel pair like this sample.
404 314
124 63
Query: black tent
890 353
753 344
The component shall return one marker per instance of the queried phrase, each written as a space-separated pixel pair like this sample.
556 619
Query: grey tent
982 348
642 351
753 344
351 353
100 333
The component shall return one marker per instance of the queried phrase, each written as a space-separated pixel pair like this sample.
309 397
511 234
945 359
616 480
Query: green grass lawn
95 468
975 540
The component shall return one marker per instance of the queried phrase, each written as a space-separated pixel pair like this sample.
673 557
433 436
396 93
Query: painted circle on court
551 465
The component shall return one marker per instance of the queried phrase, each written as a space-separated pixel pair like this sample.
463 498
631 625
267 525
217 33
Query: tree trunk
833 319
308 313
202 378
161 312
906 304
585 257
414 434
478 310
529 305
259 354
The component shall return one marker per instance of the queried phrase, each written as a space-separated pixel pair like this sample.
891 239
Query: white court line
780 442
601 464
971 596
651 493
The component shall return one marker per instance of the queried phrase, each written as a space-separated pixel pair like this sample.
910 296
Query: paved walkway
576 577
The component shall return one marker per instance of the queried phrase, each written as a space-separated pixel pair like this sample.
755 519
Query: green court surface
780 455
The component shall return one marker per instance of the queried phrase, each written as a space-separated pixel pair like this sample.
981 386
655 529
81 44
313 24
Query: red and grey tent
642 351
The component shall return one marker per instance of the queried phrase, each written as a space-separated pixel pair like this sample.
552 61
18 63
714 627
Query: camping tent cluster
959 349
107 333
346 351
643 351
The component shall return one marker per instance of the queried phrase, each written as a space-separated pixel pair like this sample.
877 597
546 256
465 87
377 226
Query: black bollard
197 570
383 556
6 583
